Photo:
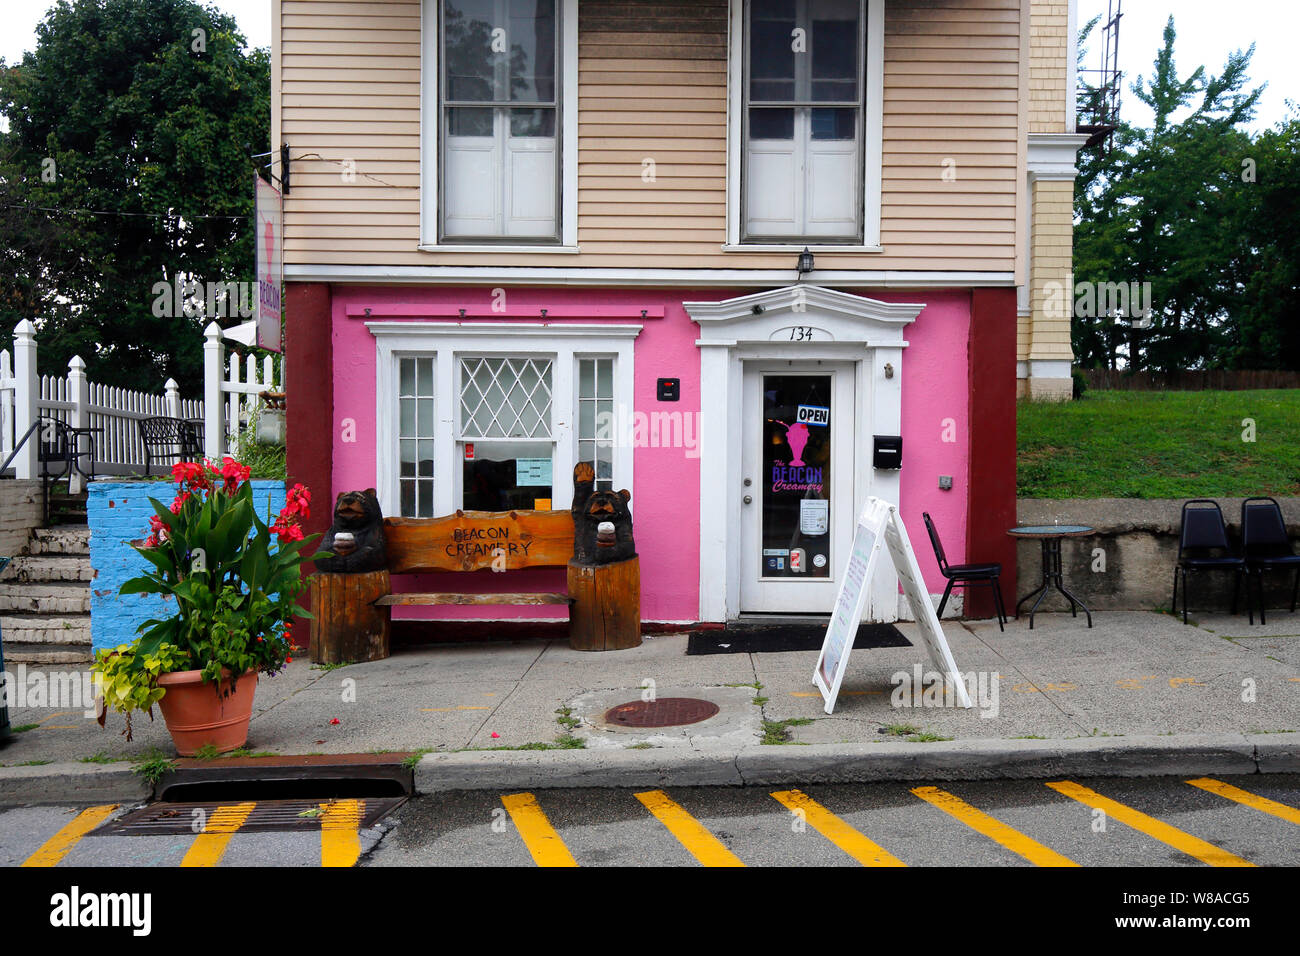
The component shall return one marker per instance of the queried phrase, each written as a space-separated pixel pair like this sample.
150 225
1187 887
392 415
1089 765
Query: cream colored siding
1049 51
652 85
1052 283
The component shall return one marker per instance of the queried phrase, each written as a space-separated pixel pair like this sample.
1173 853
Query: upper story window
803 119
499 120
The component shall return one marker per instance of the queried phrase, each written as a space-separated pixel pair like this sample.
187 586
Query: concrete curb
759 765
74 783
756 765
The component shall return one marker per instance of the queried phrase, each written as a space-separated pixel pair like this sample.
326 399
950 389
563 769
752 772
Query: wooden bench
352 617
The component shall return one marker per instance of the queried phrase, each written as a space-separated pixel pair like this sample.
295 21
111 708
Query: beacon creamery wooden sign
472 540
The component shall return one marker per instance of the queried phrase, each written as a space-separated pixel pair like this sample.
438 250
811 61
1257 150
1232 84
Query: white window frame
567 133
447 343
872 147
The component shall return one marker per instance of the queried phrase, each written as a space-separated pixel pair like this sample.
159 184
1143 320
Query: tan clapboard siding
652 86
1049 50
1051 285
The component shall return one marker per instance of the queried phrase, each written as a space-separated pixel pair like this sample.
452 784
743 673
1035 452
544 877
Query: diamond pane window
596 426
415 436
505 398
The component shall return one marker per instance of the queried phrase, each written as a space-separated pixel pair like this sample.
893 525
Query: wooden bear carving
594 510
356 538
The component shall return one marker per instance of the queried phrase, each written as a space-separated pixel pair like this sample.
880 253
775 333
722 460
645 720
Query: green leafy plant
127 678
233 578
153 766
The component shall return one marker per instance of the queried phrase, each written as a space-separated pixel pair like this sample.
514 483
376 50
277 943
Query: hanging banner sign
268 238
880 529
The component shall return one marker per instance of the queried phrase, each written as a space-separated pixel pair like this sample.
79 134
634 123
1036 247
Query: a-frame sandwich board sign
880 529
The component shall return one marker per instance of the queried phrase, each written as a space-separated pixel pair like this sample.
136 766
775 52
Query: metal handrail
19 446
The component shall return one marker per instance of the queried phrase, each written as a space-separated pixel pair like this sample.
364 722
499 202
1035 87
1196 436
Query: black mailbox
888 451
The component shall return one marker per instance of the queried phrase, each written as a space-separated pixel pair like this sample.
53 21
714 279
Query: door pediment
803 313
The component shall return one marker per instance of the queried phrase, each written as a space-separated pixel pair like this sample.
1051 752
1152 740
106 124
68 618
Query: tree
1158 209
127 163
1266 333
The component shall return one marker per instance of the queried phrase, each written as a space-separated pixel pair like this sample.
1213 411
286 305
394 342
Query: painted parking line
865 851
340 832
995 830
210 845
690 833
1254 801
1156 829
56 847
536 831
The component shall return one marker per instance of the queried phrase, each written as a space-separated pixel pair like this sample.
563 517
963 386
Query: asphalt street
1089 822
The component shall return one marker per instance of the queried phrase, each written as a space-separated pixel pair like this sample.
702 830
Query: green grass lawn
1160 445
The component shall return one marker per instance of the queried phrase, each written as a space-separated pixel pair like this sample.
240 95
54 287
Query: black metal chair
1203 546
964 575
167 438
1266 547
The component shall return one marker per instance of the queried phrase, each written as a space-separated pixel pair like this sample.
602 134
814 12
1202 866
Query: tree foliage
1195 206
127 162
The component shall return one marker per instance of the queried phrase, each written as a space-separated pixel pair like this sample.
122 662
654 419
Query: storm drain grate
162 819
664 712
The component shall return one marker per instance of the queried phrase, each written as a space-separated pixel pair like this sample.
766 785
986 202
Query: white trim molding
640 278
430 124
1052 155
847 327
1049 368
446 342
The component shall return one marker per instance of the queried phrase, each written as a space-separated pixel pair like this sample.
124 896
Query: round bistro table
1050 535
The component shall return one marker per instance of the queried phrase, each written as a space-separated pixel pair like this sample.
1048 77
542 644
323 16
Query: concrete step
46 654
42 597
68 629
47 567
70 539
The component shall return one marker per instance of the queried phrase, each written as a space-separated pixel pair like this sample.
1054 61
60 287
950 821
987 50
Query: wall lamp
805 261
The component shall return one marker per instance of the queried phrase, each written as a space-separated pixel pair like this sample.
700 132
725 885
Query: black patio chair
1266 546
964 575
1203 546
167 438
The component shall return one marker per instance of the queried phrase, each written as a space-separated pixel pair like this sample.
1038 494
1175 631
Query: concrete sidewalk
1138 683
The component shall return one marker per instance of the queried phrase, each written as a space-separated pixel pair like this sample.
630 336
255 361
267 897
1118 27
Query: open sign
814 415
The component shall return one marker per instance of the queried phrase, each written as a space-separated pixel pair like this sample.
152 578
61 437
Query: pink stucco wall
665 496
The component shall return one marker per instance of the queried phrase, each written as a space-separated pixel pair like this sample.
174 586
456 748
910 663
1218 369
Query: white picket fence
231 386
233 382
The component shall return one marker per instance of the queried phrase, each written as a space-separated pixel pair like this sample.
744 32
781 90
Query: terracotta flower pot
197 714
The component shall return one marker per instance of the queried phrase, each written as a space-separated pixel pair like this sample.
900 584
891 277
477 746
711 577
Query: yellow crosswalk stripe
340 832
1263 804
701 844
1156 829
865 851
56 847
536 831
210 845
995 830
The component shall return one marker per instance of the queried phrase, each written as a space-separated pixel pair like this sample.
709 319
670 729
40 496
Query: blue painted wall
118 513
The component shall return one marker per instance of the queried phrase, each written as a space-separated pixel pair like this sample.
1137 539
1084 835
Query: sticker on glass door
796 492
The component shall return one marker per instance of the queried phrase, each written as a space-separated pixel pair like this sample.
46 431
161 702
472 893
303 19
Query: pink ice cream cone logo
797 437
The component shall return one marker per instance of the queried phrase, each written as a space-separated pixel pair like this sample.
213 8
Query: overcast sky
18 19
1207 31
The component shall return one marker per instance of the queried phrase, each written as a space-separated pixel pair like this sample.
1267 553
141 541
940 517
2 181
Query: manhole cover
664 712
